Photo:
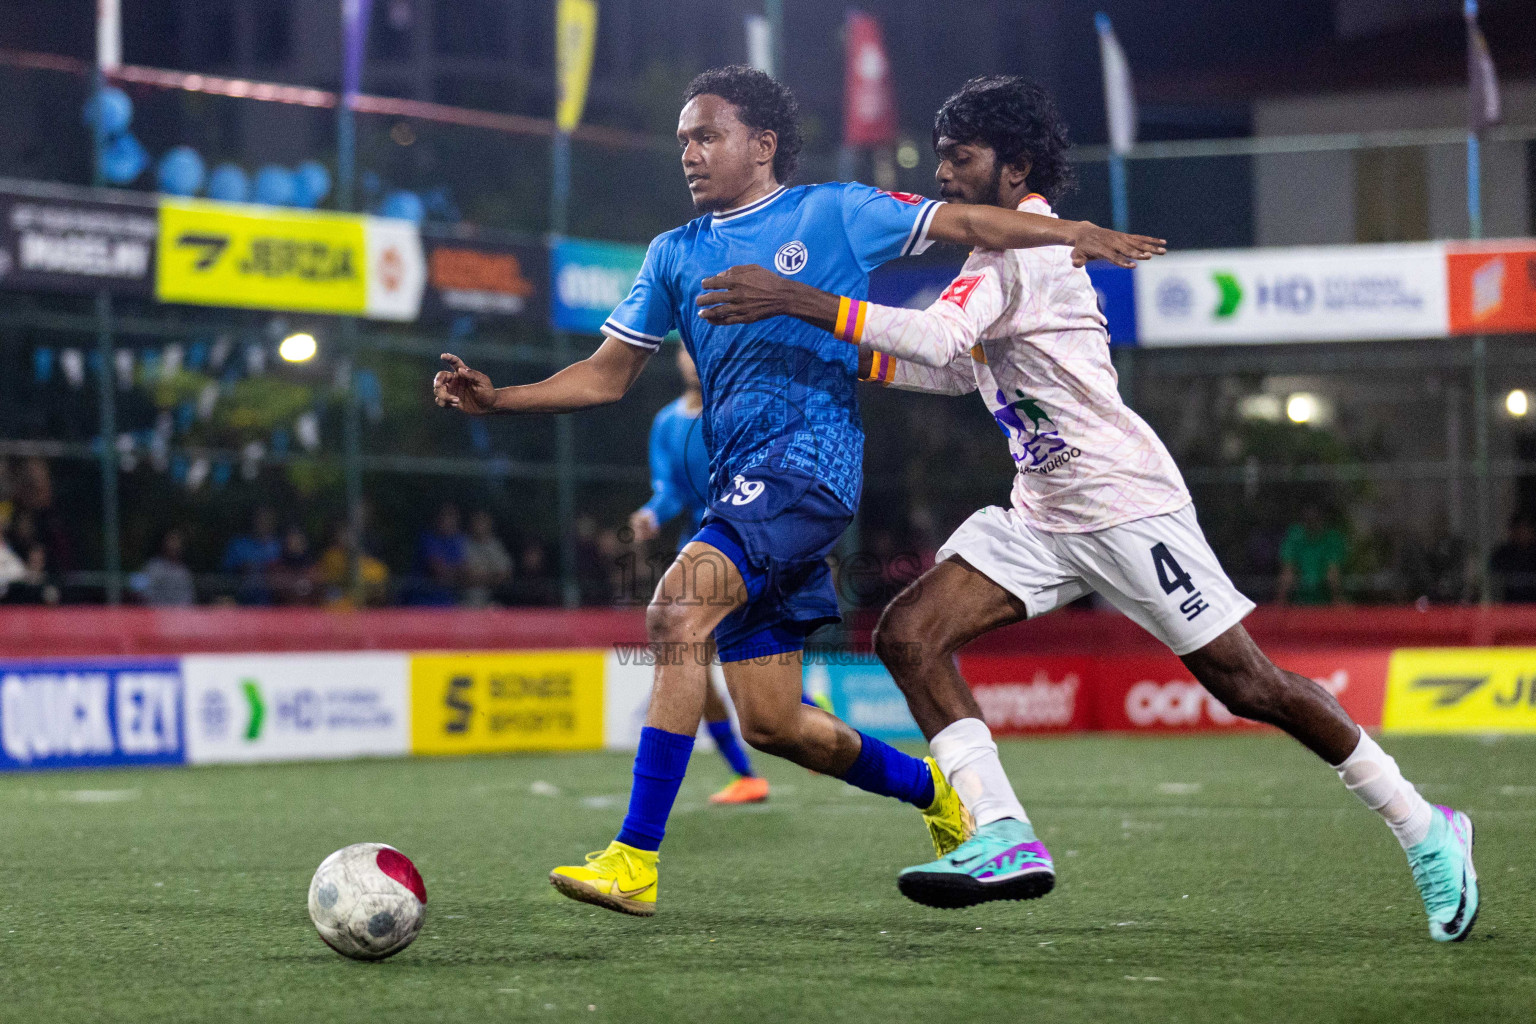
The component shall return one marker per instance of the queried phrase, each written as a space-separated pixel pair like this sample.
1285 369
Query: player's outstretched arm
930 337
992 227
600 379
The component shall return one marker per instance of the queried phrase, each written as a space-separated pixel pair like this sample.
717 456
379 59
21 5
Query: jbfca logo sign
791 257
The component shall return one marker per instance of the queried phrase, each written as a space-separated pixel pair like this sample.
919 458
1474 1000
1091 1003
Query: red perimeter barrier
28 632
88 632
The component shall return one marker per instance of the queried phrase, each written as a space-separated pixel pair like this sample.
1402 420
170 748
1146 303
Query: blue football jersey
778 394
679 467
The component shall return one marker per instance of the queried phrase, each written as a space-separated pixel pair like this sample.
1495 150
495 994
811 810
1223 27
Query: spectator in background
440 560
250 556
1312 559
533 583
487 566
34 499
291 579
334 572
1513 564
165 579
592 563
32 585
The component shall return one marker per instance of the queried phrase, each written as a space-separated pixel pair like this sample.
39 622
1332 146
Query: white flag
759 43
1119 100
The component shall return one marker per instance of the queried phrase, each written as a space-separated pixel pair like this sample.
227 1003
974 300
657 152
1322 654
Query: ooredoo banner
296 707
1156 693
1492 287
1020 696
90 714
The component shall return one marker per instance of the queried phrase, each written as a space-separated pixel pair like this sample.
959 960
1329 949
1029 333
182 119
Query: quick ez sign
90 714
1332 293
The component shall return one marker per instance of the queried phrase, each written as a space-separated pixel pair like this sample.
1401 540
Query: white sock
1372 775
968 758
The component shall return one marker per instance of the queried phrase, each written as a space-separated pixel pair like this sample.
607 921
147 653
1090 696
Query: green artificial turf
1228 879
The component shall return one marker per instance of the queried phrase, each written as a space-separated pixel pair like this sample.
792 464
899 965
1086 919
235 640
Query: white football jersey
1023 327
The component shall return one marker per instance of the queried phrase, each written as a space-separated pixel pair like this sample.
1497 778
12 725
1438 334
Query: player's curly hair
762 104
1015 118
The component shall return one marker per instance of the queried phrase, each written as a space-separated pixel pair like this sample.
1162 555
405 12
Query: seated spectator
249 557
34 500
1513 564
165 579
533 583
487 566
1312 561
334 572
32 584
440 561
291 579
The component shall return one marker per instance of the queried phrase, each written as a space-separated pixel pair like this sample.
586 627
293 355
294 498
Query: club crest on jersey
959 290
791 257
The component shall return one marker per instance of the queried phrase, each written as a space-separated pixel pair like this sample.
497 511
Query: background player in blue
781 424
680 486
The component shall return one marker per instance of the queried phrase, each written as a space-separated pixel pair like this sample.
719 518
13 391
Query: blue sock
730 749
660 764
881 768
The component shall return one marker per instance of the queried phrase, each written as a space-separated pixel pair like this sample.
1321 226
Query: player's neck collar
750 208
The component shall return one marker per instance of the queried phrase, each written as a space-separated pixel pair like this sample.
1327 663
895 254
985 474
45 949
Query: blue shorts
777 527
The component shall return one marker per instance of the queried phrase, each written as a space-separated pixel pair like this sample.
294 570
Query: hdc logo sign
88 715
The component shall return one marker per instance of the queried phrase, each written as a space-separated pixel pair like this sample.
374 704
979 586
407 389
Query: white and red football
367 901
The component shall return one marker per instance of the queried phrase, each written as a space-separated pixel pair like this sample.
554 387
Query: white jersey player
1097 505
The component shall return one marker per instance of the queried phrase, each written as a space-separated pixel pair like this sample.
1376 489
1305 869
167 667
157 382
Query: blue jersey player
680 487
781 425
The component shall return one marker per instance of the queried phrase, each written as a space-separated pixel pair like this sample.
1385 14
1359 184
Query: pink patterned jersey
1023 327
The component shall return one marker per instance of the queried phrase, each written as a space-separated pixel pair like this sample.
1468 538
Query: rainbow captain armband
850 319
882 368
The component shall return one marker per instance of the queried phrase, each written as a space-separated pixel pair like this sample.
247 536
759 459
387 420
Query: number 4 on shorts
1169 573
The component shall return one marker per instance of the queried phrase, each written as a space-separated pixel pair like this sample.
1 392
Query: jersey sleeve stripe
917 238
882 368
621 333
849 326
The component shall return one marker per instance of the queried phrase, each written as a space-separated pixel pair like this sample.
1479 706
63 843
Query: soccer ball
367 901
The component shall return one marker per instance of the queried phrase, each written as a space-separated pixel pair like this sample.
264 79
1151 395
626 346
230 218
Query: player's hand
461 388
1096 243
745 295
643 523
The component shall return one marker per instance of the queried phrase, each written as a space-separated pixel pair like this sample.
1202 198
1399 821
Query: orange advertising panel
1492 287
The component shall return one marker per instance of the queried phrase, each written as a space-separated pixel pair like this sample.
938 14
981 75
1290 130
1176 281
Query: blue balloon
123 159
312 183
110 109
229 183
274 186
404 205
181 172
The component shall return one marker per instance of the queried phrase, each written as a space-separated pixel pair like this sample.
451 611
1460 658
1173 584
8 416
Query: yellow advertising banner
1461 690
213 254
476 703
575 42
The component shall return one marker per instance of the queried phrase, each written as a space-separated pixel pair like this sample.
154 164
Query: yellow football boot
949 822
620 878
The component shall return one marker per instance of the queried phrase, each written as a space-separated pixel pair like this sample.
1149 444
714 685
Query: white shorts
1159 571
